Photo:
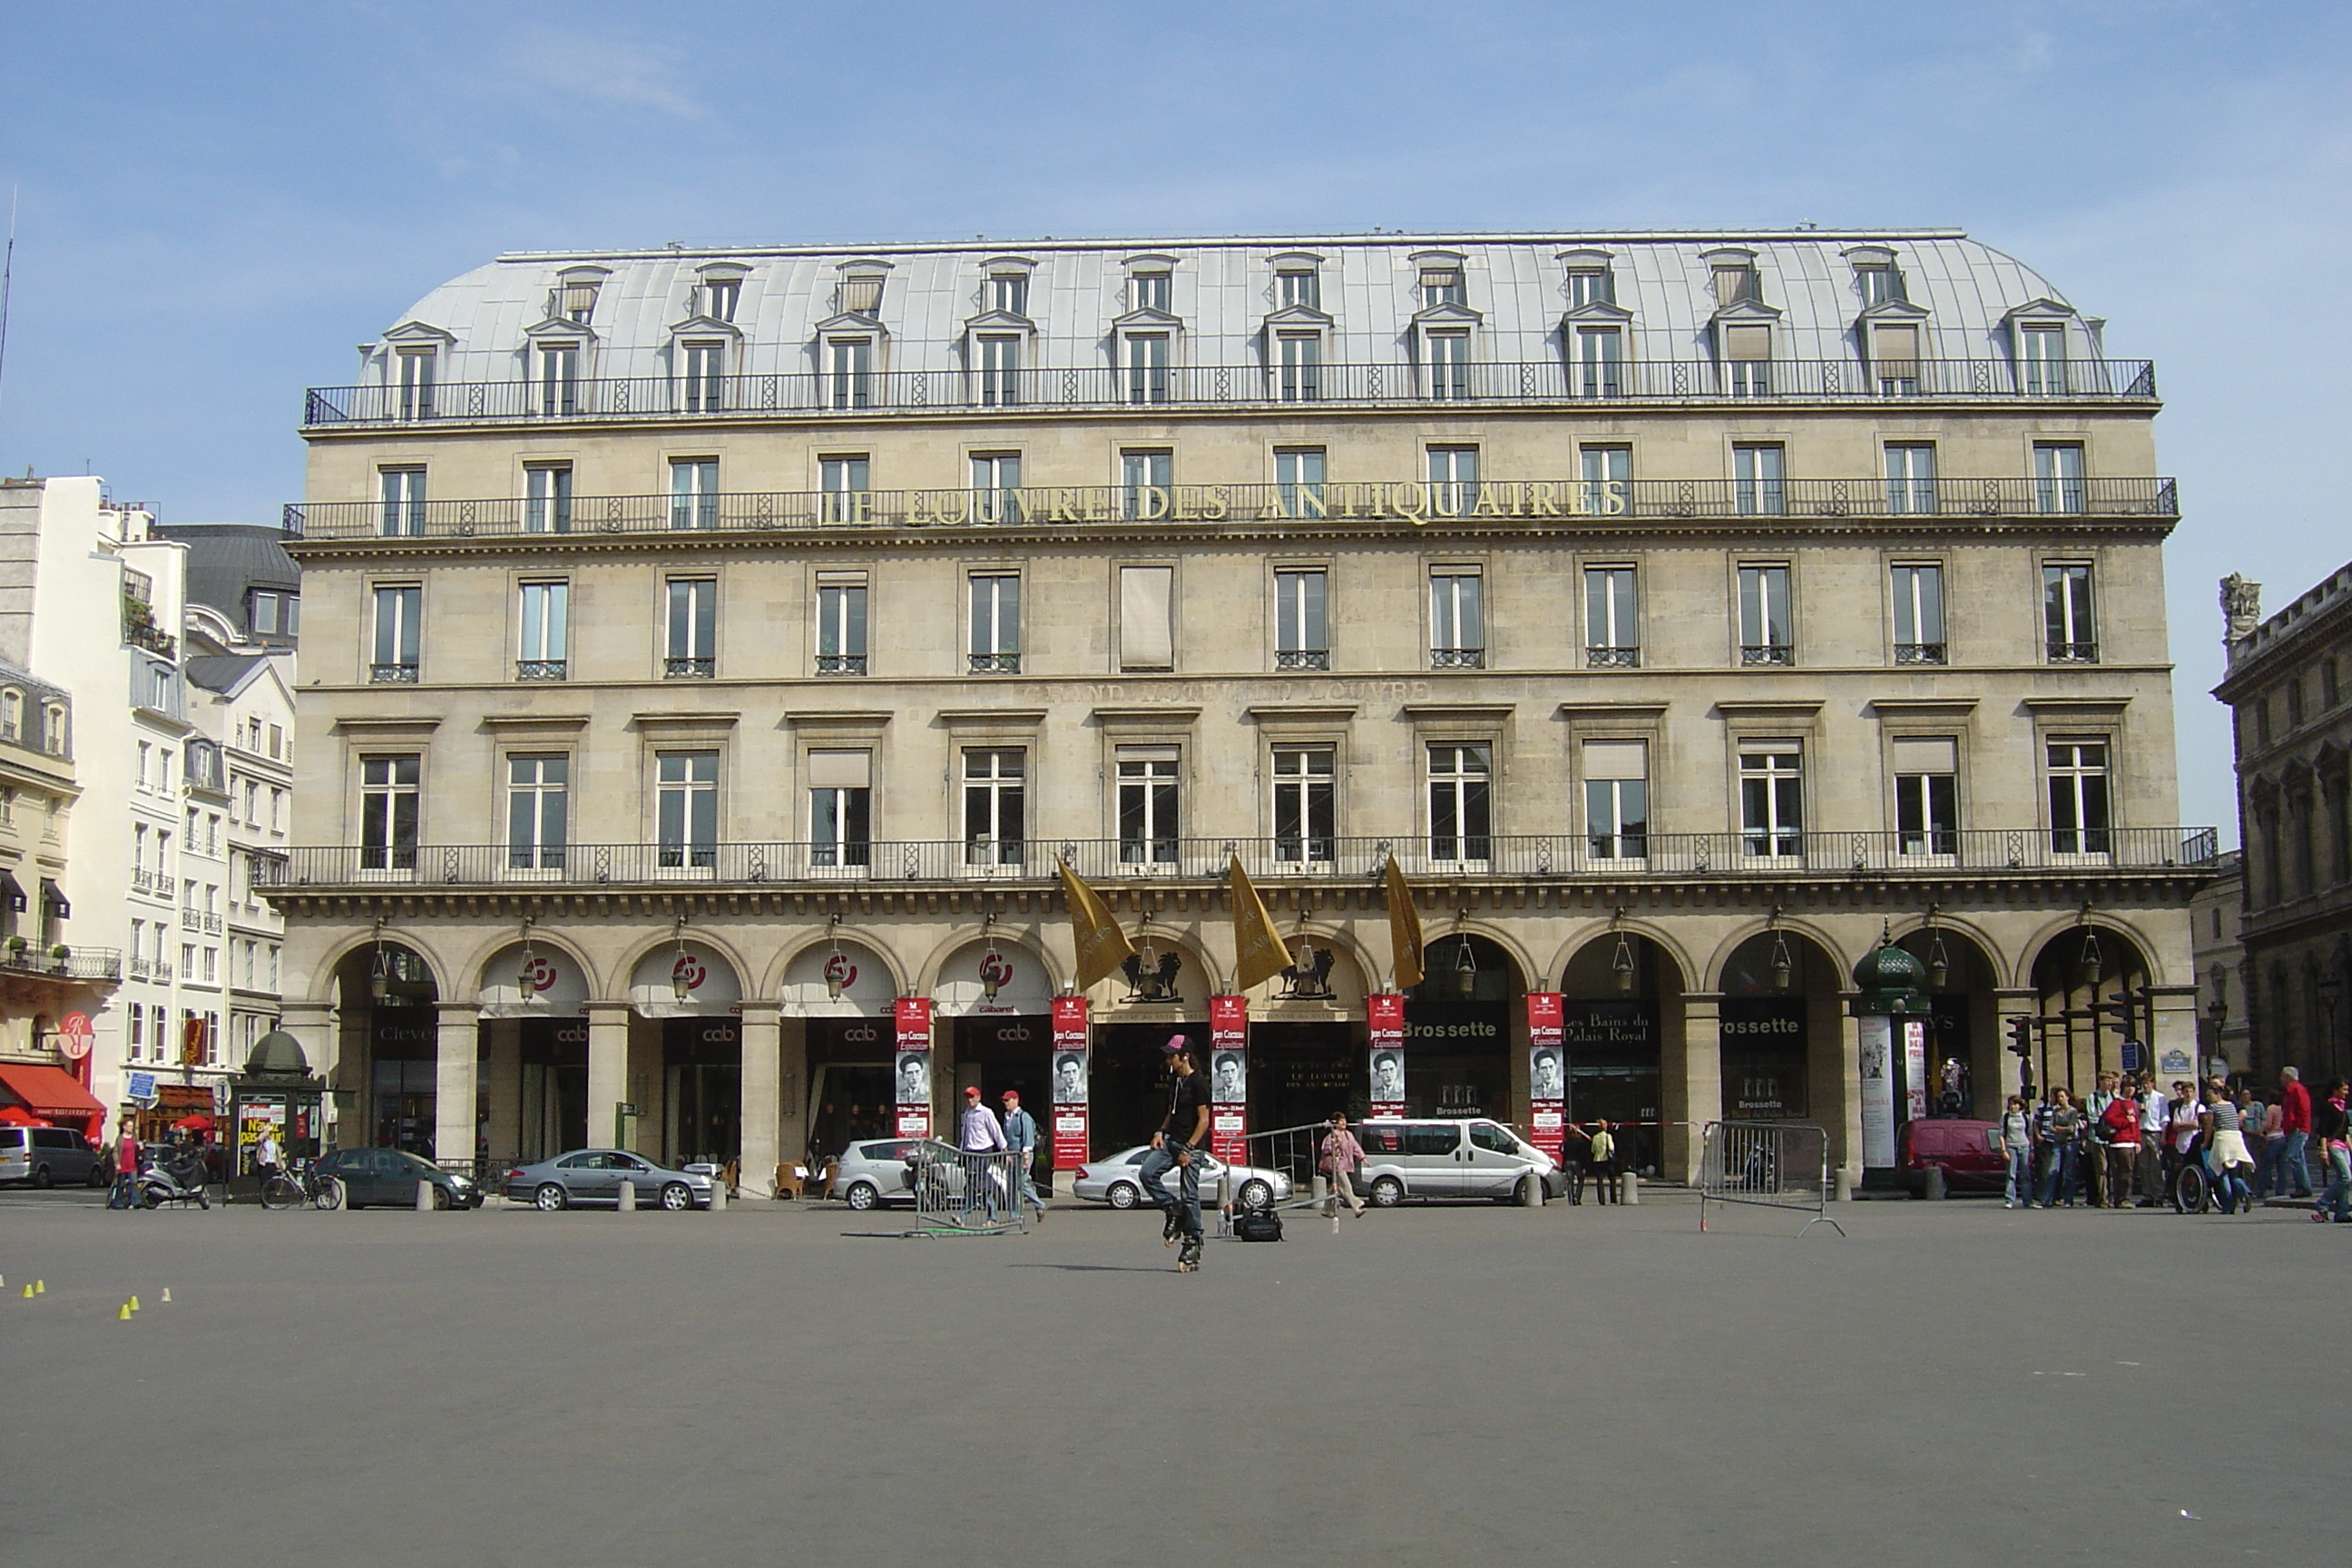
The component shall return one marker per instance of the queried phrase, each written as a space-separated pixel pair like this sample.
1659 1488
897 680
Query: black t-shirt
1187 1095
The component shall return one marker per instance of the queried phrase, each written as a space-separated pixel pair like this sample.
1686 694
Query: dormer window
1441 285
860 294
1736 284
704 361
2041 357
559 376
576 297
1880 281
1895 358
414 371
1009 292
1000 368
720 298
1591 286
1148 290
1746 359
1300 286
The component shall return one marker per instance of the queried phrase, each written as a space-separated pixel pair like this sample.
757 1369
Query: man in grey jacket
1021 1135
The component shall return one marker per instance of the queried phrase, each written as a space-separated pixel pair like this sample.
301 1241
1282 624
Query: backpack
1257 1224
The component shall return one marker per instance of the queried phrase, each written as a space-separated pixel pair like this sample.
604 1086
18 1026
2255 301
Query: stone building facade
1680 612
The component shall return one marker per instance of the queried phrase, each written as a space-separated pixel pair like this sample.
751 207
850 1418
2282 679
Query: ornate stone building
709 648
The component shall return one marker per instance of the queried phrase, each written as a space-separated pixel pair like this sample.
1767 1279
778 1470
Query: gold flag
1258 953
1404 930
1102 945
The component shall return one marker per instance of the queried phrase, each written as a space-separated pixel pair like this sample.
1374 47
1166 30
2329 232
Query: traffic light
2021 1036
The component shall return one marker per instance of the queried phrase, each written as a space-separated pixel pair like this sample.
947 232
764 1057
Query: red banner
914 1075
1229 1078
1546 1073
1069 1082
1385 1013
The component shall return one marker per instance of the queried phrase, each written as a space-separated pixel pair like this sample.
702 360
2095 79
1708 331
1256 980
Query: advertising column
1546 1073
914 1067
1914 1072
1385 1013
1069 1082
1229 1078
1876 1034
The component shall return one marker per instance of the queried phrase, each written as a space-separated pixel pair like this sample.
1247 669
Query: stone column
1700 1100
762 1099
791 1090
2175 1030
503 1087
608 1069
453 1076
1845 1126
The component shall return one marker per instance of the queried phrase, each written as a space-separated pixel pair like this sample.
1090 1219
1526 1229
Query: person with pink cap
1182 1132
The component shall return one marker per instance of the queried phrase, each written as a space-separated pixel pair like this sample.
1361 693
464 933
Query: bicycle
290 1189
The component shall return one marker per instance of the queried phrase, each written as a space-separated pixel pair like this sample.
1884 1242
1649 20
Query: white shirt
2155 1111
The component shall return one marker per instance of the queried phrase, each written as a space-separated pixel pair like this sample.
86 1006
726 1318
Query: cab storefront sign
1070 1070
1764 1067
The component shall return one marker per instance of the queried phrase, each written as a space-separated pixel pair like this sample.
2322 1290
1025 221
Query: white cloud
559 67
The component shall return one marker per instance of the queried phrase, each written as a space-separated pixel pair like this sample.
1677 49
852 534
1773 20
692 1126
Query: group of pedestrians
2124 1145
983 1139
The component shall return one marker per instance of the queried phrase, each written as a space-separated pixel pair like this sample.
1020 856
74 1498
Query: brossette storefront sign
1229 1078
1765 1076
1070 1065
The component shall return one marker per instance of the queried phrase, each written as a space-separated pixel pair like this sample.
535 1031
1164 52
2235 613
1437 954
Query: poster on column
914 1063
1069 1082
1914 1070
1546 1073
1877 1039
1229 1078
1385 1014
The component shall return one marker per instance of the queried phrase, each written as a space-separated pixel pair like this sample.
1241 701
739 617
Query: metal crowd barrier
959 1193
1767 1165
1293 1150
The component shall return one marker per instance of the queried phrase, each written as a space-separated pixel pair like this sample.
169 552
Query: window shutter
1616 759
1896 350
1746 342
840 770
1146 627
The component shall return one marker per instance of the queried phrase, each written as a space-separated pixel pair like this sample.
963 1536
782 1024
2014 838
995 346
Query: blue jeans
2231 1192
1025 1190
2296 1142
980 1182
2336 1200
2020 1177
1156 1165
2057 1172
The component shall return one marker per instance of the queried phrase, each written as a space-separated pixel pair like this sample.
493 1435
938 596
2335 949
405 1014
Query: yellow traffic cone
167 1295
40 1286
28 1292
134 1303
123 1316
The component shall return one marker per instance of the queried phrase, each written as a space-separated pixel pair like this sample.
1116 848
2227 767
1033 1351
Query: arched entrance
839 993
1458 1030
1964 1055
685 1054
533 1004
999 1002
1164 990
2093 1014
1621 999
387 996
1307 1037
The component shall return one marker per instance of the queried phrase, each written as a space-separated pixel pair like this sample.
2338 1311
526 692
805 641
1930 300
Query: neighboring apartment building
2285 688
728 644
44 1071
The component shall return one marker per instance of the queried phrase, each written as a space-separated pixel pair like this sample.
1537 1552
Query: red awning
192 1124
48 1091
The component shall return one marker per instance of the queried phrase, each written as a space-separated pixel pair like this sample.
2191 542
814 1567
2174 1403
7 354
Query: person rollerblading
1182 1131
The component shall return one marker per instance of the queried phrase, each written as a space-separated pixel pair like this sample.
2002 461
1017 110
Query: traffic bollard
423 1198
628 1196
717 1195
1934 1193
1629 1189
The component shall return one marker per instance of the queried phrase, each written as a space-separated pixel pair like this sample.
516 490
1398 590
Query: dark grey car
588 1178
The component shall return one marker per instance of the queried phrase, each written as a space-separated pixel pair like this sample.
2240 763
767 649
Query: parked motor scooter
164 1180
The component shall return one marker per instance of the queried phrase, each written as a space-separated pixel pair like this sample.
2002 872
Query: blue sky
216 202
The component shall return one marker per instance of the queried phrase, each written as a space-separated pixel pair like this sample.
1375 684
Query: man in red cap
1182 1131
979 1136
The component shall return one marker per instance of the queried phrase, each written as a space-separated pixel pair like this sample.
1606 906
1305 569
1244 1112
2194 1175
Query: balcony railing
1613 658
755 396
78 963
1492 502
1537 858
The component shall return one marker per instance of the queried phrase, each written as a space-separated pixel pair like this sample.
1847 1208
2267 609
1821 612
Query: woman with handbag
1337 1161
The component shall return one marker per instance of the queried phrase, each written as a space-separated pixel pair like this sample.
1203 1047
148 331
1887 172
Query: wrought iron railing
1490 503
1107 386
1518 857
74 963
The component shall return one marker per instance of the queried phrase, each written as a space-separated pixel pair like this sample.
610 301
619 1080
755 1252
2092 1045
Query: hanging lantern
836 967
1939 963
380 981
1465 968
1623 965
1784 968
2092 968
680 986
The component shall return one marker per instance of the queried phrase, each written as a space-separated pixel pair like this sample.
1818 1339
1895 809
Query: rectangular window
545 610
1457 620
1927 794
841 623
547 498
1919 591
1145 475
1881 284
1895 359
693 493
1147 291
1147 618
1452 480
1771 796
1000 370
262 614
1149 824
860 295
1009 292
1600 362
690 651
1147 367
1759 480
995 623
2042 345
1748 361
404 502
1617 799
841 808
1301 640
577 297
1734 284
1460 804
1910 479
2079 822
1591 286
2058 476
2071 635
720 298
1445 366
706 376
559 379
1300 370
995 782
538 811
1300 286
415 382
388 813
1303 805
1440 286
685 808
995 486
844 480
1767 633
1299 479
399 607
1608 479
1612 635
849 372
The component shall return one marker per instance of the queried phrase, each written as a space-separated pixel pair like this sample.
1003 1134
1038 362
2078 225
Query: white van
1447 1158
47 1155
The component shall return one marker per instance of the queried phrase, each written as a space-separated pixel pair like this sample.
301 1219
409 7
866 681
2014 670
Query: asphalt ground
1947 1384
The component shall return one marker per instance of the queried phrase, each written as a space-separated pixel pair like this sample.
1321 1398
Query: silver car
1119 1181
872 1174
593 1178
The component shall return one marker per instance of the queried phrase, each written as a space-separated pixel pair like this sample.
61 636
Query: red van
1967 1151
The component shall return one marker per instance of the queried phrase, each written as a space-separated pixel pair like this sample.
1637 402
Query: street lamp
1784 968
1465 968
2092 968
380 981
1622 967
679 986
1939 963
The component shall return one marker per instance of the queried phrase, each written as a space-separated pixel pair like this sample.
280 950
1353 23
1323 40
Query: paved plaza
1950 1383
